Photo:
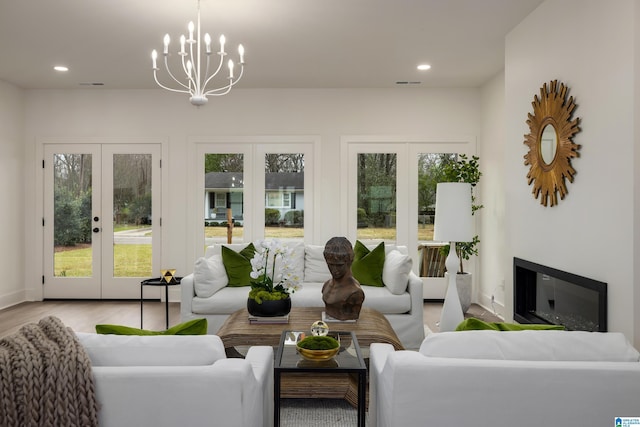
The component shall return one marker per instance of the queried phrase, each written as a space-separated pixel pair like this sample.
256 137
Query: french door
101 219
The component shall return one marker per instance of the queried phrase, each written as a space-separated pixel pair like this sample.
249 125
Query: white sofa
491 378
205 294
178 381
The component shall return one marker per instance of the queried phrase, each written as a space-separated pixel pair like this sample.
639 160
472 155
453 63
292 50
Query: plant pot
269 308
464 284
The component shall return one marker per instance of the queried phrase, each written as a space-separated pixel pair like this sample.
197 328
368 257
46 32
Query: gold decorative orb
319 328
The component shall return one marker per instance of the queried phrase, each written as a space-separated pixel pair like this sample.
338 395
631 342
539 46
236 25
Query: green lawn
129 260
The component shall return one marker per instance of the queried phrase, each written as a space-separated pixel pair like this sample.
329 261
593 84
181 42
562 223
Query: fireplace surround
545 295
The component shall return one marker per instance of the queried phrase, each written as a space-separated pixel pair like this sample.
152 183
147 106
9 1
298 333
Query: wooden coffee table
371 327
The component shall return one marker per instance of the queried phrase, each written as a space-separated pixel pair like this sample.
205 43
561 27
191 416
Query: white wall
12 247
492 195
328 114
588 45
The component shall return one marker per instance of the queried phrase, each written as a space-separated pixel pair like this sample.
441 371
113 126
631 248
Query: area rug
317 413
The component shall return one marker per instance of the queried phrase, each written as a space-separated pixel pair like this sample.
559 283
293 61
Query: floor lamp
453 223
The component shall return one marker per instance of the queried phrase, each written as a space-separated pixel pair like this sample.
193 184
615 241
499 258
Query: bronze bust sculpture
342 294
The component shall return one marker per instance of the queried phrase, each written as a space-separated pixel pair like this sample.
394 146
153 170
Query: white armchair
179 381
491 378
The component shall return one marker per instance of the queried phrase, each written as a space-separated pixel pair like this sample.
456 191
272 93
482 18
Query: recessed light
61 68
424 67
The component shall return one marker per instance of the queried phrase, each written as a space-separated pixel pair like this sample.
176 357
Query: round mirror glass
548 144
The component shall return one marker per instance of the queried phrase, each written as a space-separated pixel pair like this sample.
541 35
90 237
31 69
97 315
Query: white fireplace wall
588 45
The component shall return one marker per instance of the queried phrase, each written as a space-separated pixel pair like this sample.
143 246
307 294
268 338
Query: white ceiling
289 43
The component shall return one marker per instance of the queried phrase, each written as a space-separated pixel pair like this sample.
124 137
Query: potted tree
464 170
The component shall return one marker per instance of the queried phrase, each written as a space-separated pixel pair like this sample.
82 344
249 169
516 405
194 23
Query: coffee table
349 360
371 327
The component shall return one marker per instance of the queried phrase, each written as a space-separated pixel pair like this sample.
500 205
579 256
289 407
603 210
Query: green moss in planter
319 343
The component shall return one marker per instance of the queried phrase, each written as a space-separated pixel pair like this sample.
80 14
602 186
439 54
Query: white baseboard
496 307
13 298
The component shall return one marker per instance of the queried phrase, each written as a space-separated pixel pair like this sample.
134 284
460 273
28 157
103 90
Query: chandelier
194 82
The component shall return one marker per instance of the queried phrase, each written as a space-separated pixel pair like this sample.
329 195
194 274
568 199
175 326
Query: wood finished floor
82 316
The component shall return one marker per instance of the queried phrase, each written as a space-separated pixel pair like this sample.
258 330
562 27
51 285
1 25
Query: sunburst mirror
550 143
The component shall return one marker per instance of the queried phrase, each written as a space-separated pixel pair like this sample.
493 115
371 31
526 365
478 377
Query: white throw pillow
209 276
315 266
395 273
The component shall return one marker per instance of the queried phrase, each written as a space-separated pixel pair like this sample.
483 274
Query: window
284 195
377 196
390 193
223 175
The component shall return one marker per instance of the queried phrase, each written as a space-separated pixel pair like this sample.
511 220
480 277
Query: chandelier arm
216 72
195 67
166 87
166 66
189 77
225 89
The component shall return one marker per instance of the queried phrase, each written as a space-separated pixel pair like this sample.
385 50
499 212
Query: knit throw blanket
46 378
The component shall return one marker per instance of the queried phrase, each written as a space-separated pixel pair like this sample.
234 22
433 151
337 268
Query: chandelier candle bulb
167 40
222 41
191 28
207 42
241 53
154 57
230 69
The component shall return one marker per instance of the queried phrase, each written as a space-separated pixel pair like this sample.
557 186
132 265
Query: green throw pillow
190 327
472 324
367 265
238 265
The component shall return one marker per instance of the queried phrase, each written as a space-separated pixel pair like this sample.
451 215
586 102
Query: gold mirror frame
552 108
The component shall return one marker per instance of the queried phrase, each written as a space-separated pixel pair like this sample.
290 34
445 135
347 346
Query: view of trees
431 171
72 194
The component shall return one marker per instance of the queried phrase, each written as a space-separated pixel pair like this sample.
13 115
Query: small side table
158 281
349 360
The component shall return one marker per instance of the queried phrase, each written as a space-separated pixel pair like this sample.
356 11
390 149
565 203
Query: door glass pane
284 196
377 197
430 172
223 198
132 215
73 254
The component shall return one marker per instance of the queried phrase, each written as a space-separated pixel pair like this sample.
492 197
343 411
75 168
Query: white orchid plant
273 285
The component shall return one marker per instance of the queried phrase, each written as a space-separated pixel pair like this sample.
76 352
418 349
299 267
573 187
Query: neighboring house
284 191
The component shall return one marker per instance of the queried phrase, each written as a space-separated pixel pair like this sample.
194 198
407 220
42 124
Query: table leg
276 399
166 304
141 303
362 398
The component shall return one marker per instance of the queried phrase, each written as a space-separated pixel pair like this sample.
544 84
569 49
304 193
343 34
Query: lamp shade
453 222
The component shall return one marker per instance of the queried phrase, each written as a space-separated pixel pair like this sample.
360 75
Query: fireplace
546 295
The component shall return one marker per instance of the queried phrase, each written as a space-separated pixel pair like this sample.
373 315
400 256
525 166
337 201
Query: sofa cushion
225 301
190 327
238 264
368 264
132 350
315 266
395 273
209 276
531 345
473 324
